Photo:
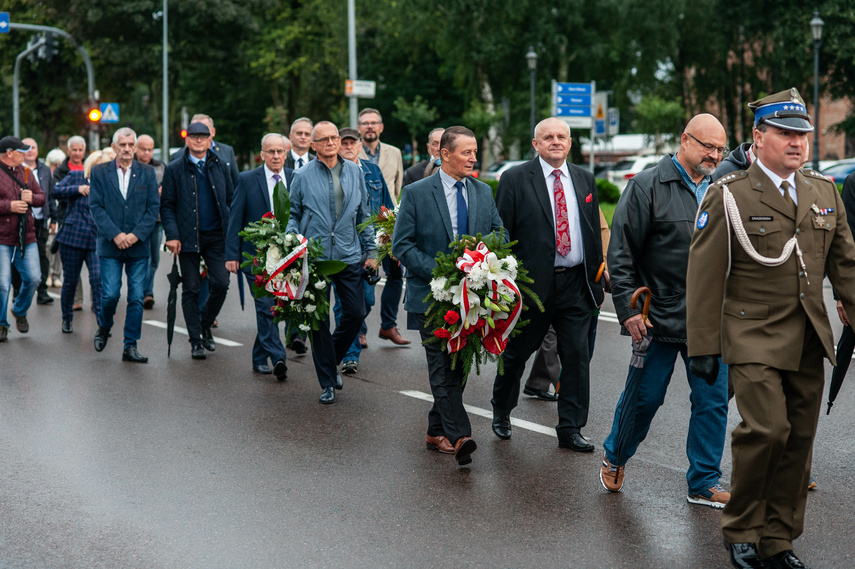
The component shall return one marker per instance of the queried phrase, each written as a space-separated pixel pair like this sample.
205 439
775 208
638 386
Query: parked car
839 171
496 169
629 167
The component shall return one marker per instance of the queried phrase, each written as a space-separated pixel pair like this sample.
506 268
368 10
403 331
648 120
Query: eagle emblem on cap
794 95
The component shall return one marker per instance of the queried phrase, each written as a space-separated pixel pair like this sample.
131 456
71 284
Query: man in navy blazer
550 208
253 198
433 213
124 203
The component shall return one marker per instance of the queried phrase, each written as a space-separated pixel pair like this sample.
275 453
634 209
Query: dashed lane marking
181 330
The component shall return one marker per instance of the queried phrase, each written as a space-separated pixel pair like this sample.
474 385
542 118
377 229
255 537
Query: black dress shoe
339 384
502 426
540 394
132 355
744 556
298 345
575 442
784 560
66 327
43 298
197 352
327 396
263 369
280 370
101 337
208 340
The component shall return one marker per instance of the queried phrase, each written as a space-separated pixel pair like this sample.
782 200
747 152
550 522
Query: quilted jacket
78 229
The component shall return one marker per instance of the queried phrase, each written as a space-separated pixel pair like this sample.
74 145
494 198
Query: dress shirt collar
548 169
268 174
448 181
776 179
296 156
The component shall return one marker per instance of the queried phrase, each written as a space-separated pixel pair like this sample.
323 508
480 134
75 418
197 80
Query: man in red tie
550 208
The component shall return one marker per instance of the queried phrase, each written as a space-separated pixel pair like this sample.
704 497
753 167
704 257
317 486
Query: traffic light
183 133
50 48
95 114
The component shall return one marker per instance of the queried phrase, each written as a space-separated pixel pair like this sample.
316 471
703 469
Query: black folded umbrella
241 294
845 347
171 301
629 399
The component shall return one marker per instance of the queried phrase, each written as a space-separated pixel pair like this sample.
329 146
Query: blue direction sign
579 100
4 22
109 112
565 111
573 88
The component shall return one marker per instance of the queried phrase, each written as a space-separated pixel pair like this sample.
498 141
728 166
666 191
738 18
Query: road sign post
361 89
572 103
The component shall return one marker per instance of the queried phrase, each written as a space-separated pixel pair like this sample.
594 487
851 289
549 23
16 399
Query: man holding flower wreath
454 201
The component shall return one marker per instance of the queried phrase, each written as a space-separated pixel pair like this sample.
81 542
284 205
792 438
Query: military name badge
703 219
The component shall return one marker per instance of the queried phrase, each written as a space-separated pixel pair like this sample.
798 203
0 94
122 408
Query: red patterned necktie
562 223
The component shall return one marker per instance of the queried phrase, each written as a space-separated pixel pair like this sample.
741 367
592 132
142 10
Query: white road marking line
179 329
522 424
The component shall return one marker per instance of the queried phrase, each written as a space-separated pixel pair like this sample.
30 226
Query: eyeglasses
275 151
198 137
370 123
710 147
326 139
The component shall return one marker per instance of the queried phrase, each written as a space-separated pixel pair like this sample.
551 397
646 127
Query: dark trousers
569 309
42 232
72 262
212 248
447 416
546 368
391 297
267 344
329 349
772 449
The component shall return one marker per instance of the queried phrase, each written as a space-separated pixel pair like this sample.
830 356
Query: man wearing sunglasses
328 202
651 232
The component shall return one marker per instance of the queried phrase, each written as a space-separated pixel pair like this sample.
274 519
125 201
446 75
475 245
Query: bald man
651 233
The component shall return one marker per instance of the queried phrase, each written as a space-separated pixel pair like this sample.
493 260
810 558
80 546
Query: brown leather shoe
440 444
393 335
463 449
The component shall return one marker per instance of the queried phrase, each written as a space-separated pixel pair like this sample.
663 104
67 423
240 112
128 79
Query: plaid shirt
78 229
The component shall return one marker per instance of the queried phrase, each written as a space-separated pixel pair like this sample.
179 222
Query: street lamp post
816 25
531 59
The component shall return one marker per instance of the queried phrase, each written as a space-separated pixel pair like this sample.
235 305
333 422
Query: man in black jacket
426 167
550 208
197 190
651 232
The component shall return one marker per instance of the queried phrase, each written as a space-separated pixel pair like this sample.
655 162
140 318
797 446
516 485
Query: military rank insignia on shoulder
815 174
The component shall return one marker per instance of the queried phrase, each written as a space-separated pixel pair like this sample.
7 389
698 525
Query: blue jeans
31 275
707 425
136 268
154 259
355 349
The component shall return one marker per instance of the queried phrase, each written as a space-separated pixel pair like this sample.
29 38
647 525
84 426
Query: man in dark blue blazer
550 208
253 198
124 203
433 213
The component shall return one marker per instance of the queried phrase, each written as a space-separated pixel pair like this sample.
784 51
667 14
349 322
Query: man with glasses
197 190
651 232
254 198
388 158
328 203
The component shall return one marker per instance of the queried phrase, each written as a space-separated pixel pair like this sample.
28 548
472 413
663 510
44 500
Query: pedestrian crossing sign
109 112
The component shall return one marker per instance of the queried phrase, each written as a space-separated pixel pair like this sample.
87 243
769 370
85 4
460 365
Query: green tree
658 116
416 115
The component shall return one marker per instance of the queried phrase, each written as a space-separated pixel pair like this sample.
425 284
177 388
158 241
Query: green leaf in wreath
327 268
281 203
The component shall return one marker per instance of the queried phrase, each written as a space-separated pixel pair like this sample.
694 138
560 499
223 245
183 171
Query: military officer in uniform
764 238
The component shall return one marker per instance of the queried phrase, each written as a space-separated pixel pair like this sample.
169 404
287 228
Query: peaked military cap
785 110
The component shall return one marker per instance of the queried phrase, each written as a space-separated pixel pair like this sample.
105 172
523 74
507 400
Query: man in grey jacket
328 202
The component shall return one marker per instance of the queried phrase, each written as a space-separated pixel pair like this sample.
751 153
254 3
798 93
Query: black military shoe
744 556
502 426
197 352
784 560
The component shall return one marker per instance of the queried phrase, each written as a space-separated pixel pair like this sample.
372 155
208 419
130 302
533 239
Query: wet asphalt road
186 464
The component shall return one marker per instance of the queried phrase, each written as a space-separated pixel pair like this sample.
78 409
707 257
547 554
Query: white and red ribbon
285 288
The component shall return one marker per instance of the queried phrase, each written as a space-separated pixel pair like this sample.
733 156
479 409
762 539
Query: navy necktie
299 162
201 165
462 211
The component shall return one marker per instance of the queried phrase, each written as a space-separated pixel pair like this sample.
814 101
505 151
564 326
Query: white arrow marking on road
223 341
521 423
